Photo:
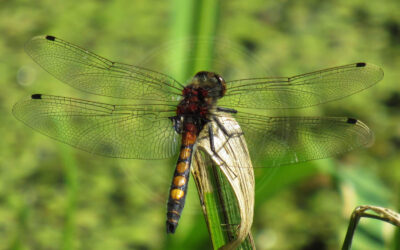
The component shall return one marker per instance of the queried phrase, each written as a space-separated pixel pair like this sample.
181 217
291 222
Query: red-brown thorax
199 97
195 102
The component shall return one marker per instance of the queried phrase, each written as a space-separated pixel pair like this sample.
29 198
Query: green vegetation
55 197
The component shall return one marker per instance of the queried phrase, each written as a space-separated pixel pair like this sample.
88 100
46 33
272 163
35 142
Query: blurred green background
56 197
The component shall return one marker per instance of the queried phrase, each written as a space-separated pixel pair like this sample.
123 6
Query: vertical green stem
206 29
182 27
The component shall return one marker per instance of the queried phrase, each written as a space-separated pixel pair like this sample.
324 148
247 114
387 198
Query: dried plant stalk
378 213
231 169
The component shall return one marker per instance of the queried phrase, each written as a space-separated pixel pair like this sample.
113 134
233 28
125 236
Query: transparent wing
303 90
287 140
123 131
91 73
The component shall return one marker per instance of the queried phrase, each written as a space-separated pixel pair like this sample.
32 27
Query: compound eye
222 83
219 79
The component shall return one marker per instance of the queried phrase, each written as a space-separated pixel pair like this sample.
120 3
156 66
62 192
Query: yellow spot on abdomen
189 139
182 167
177 194
179 181
185 153
174 212
173 221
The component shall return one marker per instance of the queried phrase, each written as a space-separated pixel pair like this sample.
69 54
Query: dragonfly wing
123 131
288 140
94 74
303 90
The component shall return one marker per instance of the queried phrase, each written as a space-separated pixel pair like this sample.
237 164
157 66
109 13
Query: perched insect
164 110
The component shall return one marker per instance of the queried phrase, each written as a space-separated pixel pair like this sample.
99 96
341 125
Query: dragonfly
166 116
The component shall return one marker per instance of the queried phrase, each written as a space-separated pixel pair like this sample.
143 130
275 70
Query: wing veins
293 79
123 72
82 66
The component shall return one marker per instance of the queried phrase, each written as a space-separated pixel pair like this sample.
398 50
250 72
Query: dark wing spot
50 38
36 96
361 64
351 120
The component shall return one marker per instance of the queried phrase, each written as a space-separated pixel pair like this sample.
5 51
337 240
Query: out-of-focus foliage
55 197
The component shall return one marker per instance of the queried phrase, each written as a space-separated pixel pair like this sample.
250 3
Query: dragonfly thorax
199 97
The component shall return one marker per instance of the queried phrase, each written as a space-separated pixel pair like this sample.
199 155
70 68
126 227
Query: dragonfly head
210 81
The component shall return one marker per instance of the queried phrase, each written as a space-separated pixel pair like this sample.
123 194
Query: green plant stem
207 22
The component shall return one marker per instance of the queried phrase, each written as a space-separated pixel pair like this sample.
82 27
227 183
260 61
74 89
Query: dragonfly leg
223 129
211 136
228 135
177 123
227 110
212 144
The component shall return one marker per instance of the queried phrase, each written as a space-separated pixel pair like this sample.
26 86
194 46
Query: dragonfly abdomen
179 185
